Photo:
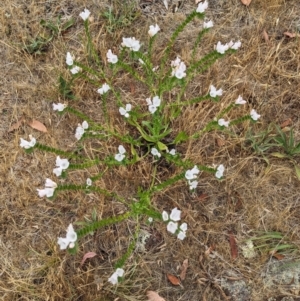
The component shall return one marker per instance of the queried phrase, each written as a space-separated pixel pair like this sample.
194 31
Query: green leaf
182 136
161 146
297 169
279 155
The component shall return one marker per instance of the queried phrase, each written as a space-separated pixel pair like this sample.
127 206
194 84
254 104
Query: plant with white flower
85 14
105 87
223 122
49 189
202 6
214 92
111 58
208 24
80 130
61 165
220 171
28 144
69 59
69 240
59 107
254 115
114 278
153 30
125 111
131 43
240 101
155 152
153 104
120 156
178 68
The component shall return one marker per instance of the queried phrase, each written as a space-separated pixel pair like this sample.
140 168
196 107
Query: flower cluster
153 104
120 156
69 240
231 45
49 189
191 175
125 112
178 68
61 165
131 43
70 62
173 225
28 144
81 129
114 278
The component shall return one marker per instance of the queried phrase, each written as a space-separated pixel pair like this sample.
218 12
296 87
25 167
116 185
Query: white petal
119 157
85 14
165 216
69 59
49 183
59 107
183 227
63 243
156 101
71 234
172 227
88 182
113 279
240 101
128 107
175 215
181 235
57 171
85 125
121 149
119 272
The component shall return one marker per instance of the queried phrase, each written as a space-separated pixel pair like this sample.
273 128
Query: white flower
240 101
28 144
171 152
85 14
222 122
221 48
75 70
214 92
182 234
125 111
105 87
114 277
193 184
155 152
120 156
69 240
220 171
141 62
81 129
254 115
175 215
153 30
165 216
202 6
88 182
111 58
172 227
191 174
235 45
48 191
131 43
153 104
150 219
61 164
69 59
59 107
208 24
178 68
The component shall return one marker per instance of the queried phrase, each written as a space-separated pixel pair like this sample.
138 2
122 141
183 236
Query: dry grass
253 197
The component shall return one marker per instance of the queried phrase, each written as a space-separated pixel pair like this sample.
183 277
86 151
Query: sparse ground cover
257 201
